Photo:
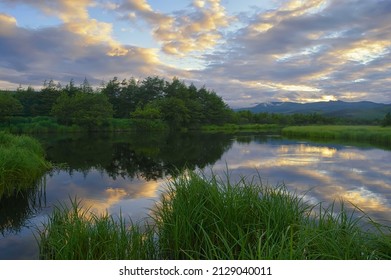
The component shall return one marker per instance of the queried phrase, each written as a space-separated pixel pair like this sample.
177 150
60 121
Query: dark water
127 172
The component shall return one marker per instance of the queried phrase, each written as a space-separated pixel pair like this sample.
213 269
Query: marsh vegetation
22 163
213 218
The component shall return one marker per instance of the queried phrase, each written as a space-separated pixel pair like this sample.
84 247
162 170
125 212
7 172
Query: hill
356 110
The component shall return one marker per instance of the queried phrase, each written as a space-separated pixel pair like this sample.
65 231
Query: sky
247 51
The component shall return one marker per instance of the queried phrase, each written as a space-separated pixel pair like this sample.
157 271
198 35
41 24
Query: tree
70 88
387 119
9 106
87 110
151 89
175 112
214 109
86 88
112 91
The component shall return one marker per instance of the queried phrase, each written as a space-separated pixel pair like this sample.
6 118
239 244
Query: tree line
153 99
149 103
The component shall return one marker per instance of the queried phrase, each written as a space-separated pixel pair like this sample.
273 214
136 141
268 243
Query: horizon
247 52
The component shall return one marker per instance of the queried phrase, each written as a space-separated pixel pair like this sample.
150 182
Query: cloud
31 56
183 32
308 51
76 19
298 51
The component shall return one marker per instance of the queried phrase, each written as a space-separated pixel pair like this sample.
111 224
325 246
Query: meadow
371 134
212 218
233 128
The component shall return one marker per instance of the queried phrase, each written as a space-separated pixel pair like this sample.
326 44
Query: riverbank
372 134
210 218
22 162
35 125
232 128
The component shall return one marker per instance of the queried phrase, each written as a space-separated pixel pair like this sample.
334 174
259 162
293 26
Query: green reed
374 134
75 233
22 162
214 218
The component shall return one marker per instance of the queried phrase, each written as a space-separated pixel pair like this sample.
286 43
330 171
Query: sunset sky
247 51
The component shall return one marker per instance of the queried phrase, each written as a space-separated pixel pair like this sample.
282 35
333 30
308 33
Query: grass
211 218
232 128
22 163
43 124
34 125
373 134
76 234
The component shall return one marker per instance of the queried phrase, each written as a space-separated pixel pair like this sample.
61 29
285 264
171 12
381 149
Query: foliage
387 119
156 103
90 111
9 106
175 103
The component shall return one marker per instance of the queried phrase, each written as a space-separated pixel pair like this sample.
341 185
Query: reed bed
22 163
232 128
213 218
75 233
373 134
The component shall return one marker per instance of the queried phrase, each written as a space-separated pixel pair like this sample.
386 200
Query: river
127 172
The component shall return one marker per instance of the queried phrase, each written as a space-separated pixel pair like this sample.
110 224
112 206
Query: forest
151 103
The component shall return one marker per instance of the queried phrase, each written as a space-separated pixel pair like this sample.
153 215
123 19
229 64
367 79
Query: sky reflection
321 173
101 193
324 173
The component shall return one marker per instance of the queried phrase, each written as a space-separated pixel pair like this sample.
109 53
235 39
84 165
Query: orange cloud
77 20
7 23
187 32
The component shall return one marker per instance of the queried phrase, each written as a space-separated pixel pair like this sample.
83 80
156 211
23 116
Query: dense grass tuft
22 163
75 233
210 218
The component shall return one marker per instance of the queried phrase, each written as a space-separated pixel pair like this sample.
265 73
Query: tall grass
22 163
33 125
210 218
232 128
75 233
373 134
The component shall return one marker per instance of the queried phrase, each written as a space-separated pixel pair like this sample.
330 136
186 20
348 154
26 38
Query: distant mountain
361 110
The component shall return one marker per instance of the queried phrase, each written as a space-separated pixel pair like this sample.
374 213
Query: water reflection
147 155
100 192
17 208
124 173
324 173
117 173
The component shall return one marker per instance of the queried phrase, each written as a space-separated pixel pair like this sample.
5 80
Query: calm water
127 172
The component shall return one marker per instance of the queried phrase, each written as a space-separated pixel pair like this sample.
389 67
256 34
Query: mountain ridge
358 109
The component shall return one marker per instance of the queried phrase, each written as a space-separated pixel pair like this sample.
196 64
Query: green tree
112 91
87 110
387 119
9 106
151 89
215 110
70 88
149 112
86 88
175 112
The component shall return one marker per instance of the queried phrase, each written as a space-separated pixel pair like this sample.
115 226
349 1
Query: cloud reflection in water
325 173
